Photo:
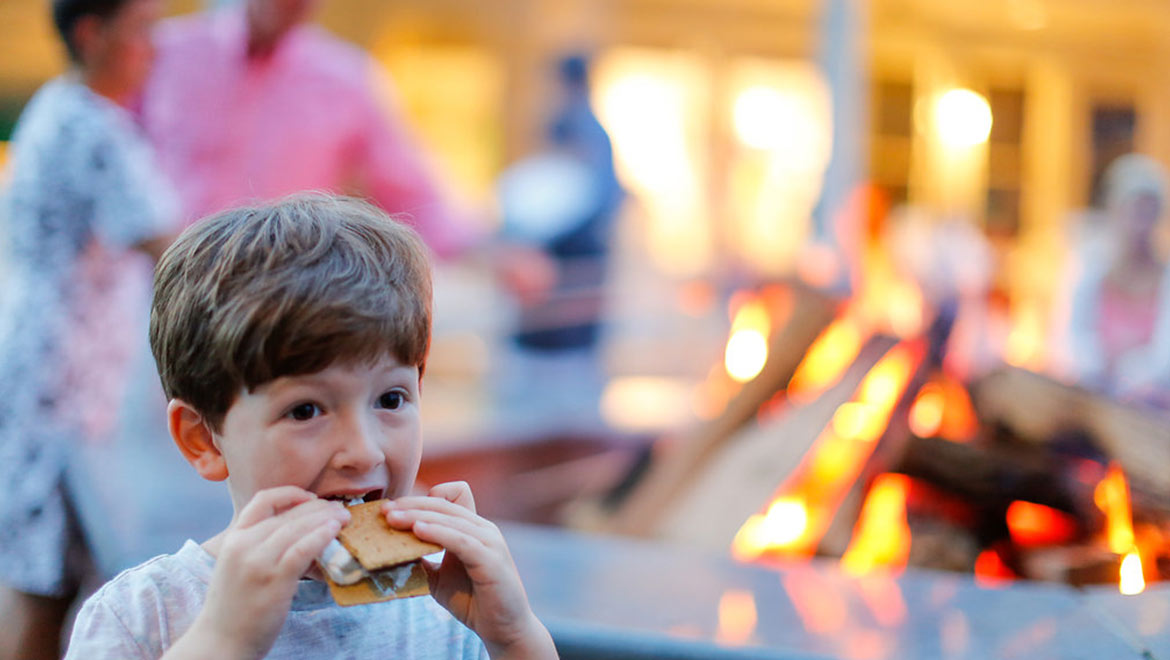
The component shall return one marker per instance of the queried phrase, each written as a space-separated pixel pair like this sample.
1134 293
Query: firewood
677 460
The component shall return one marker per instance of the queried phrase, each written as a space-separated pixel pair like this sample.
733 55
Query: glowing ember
1132 581
881 537
1033 524
990 571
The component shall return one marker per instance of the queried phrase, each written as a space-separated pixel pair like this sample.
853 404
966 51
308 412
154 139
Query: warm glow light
883 597
881 537
756 117
990 571
1112 497
784 524
822 610
857 421
926 414
1132 581
1032 524
644 403
804 505
747 348
737 617
826 360
962 118
1025 341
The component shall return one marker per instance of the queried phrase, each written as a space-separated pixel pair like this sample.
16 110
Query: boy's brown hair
291 287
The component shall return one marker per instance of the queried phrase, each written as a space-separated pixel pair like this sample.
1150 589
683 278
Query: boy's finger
271 502
458 492
427 503
298 557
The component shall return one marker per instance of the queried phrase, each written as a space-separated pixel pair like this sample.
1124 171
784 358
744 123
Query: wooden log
1036 408
677 460
742 475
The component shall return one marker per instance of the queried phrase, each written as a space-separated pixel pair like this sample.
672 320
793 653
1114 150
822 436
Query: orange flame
803 506
991 571
882 536
943 409
1033 524
826 360
1132 581
747 345
1112 497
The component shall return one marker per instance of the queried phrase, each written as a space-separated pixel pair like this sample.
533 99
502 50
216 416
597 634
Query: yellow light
645 403
1132 581
783 525
962 118
747 351
758 117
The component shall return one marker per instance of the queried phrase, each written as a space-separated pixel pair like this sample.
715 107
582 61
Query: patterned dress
81 189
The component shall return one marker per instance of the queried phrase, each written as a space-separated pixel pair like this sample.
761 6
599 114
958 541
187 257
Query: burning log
677 461
1037 408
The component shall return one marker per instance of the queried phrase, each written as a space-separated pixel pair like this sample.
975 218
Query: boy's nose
358 449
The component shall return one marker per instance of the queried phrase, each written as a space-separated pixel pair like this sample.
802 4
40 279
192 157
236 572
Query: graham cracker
371 540
373 591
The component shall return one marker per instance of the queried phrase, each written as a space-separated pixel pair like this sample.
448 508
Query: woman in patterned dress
82 210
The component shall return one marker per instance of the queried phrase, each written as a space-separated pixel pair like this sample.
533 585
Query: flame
804 505
826 360
737 617
1025 341
1112 497
991 571
1132 581
943 409
747 347
882 536
1033 524
784 524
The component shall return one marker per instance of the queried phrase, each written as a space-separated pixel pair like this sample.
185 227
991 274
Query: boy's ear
195 440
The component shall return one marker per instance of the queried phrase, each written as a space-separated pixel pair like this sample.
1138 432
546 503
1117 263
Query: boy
291 339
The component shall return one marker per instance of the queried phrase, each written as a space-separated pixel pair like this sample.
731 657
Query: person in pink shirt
254 102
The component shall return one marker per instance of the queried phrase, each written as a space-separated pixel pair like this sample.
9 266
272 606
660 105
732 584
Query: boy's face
346 431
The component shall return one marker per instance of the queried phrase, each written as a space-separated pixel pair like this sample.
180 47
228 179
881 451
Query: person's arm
477 580
262 556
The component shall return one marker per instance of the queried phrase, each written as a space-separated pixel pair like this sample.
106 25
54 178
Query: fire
882 536
747 347
943 409
1025 341
1033 524
826 360
991 571
927 412
784 524
804 505
1132 580
1112 497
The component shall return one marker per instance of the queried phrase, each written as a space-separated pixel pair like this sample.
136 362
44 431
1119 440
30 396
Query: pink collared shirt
316 114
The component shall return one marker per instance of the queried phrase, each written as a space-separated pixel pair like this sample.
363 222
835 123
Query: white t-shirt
144 610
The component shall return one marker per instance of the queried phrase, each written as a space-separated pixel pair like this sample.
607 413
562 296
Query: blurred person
252 101
1114 305
82 209
563 201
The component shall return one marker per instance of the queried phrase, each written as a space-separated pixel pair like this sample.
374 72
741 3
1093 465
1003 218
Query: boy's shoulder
143 609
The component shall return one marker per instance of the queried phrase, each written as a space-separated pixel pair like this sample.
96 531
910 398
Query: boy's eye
391 400
303 411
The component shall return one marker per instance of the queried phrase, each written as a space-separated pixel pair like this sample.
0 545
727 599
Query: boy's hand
477 580
271 544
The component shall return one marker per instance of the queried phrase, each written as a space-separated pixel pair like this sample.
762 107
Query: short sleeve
99 633
133 201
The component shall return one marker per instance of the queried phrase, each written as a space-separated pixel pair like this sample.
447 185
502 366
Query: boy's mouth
351 498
